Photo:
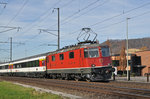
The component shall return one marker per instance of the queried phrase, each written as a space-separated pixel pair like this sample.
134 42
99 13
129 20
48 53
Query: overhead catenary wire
113 17
67 17
75 13
3 8
110 18
18 12
29 27
125 12
49 10
101 4
110 25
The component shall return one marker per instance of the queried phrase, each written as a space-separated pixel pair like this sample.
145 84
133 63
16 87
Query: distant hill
140 43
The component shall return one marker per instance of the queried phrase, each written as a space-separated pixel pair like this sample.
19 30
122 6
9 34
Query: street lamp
128 75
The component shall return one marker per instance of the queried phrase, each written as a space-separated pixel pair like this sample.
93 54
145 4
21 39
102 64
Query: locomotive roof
74 47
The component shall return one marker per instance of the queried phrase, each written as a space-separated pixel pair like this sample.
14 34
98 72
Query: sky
23 19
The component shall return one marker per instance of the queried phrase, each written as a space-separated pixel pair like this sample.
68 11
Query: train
84 61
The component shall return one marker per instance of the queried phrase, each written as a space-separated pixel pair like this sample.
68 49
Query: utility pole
128 73
10 49
58 29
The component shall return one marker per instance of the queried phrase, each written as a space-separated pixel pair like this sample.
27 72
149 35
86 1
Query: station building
145 61
139 63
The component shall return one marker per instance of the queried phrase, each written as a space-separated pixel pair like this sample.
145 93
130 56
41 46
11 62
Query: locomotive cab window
71 55
105 51
61 56
91 52
53 58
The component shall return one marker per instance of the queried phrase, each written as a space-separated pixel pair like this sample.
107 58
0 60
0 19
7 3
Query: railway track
96 88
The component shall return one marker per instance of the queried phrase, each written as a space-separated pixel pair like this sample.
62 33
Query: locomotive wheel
53 77
76 79
88 80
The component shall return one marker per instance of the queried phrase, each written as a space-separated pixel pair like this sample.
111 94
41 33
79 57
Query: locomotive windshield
91 52
105 51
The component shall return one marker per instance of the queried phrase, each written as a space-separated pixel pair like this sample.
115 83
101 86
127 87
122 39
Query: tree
123 60
109 45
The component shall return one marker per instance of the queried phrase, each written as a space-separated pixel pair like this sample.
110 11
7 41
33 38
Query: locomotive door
48 63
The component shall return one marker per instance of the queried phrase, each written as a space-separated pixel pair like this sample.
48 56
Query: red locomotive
83 61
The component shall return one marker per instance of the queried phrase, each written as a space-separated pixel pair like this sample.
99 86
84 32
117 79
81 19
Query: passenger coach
31 67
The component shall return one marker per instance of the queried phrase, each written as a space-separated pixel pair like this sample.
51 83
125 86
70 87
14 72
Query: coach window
53 58
33 63
37 63
6 67
61 56
30 64
2 67
71 55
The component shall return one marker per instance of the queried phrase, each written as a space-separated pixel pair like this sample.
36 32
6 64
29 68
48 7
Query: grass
12 91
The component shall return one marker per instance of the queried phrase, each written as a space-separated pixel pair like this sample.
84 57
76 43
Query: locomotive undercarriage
89 74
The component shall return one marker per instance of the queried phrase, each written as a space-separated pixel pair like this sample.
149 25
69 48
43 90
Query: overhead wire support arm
9 28
47 31
2 3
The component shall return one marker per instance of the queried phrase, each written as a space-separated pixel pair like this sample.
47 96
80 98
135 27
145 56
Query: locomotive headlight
93 65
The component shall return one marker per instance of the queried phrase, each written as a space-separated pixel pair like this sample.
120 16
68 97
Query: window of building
61 56
71 55
53 58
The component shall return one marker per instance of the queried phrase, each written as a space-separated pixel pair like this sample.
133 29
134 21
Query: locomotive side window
71 55
105 51
53 58
61 56
86 53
